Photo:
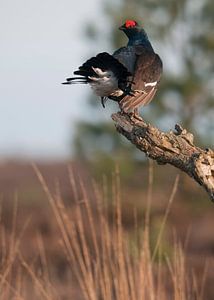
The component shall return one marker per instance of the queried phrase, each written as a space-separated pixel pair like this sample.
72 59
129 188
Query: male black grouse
130 76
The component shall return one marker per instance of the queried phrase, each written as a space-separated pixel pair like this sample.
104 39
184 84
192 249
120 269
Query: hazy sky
41 44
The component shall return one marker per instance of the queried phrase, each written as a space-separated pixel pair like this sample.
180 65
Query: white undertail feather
105 84
151 83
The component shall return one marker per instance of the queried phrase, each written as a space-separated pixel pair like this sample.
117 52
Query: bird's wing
127 57
148 69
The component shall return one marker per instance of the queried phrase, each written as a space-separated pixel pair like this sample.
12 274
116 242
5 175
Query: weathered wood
175 147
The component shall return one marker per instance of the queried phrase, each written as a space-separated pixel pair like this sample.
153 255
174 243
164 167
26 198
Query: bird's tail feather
143 98
75 80
102 61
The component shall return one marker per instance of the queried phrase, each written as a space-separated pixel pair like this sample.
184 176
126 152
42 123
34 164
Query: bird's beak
121 27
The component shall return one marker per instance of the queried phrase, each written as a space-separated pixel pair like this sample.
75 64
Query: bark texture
174 147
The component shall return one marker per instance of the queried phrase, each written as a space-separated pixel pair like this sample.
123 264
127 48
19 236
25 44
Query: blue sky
42 42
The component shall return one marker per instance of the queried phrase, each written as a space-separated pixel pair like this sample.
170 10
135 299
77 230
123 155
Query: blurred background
42 43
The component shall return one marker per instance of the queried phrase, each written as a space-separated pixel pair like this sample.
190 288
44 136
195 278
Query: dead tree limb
175 148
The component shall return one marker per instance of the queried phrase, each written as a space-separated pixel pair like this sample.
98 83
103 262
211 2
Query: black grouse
130 76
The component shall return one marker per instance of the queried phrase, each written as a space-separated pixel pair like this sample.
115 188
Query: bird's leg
127 89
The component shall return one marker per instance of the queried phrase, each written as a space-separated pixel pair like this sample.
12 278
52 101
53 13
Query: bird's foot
128 90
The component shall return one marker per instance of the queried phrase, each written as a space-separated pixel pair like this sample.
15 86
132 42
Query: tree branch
175 148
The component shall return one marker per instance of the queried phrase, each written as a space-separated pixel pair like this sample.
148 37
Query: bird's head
130 28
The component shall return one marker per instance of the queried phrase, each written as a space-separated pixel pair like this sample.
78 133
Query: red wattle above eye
130 23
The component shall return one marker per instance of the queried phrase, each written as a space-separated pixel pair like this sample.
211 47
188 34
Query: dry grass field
64 235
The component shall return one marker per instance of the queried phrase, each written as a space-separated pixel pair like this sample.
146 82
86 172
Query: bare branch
175 148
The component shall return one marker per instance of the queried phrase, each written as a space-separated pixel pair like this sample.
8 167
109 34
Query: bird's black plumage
146 66
104 61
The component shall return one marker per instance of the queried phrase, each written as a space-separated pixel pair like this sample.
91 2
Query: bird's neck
140 38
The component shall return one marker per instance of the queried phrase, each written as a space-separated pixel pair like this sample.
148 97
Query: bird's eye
130 23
